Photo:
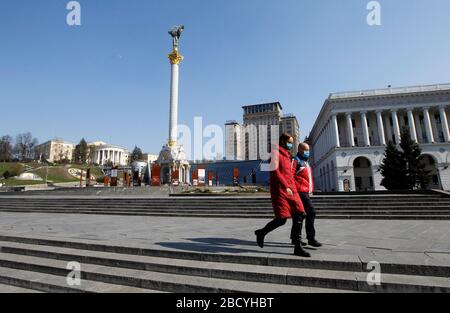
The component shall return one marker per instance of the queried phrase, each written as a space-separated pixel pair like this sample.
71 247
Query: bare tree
6 148
25 147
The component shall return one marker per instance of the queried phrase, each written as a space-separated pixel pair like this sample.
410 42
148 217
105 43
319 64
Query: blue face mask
289 146
306 155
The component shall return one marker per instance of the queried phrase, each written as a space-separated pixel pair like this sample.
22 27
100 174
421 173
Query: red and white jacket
303 175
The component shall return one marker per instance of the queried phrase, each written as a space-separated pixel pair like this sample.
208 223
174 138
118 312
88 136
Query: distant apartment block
55 150
261 123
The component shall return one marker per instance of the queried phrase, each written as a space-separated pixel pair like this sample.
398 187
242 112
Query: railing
390 91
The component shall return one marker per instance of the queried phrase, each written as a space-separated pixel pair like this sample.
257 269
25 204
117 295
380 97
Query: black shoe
304 244
259 238
314 243
299 251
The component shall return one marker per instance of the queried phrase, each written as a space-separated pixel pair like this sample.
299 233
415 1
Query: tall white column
444 123
328 136
428 127
175 59
381 128
337 142
173 126
396 126
351 136
418 128
365 129
412 125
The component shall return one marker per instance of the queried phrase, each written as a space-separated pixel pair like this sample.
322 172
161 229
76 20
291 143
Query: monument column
175 59
173 156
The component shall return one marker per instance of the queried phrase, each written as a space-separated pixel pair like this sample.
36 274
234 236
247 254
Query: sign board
195 178
176 178
210 179
201 177
156 175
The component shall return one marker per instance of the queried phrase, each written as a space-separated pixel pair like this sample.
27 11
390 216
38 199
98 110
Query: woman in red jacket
286 202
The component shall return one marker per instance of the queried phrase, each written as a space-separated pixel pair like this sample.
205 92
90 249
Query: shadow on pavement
222 245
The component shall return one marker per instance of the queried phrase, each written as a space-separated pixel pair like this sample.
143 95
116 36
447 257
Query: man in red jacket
305 187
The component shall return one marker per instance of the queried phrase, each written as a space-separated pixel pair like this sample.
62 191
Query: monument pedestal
172 159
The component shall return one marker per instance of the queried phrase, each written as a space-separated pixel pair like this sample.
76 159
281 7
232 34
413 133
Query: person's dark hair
284 138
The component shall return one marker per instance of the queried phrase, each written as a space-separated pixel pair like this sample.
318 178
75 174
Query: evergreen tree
81 152
137 154
393 169
417 176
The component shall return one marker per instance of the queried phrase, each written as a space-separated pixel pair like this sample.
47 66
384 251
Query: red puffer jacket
280 180
303 175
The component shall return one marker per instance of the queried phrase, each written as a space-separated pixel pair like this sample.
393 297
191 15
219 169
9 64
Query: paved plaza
397 242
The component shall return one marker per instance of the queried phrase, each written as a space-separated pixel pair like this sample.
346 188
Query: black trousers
297 223
310 217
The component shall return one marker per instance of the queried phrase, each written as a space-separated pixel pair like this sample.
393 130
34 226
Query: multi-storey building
55 150
263 123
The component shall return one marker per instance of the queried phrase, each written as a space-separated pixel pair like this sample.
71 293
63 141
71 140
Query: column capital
379 111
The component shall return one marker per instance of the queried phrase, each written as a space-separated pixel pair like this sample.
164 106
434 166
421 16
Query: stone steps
428 206
12 289
346 215
76 210
253 216
41 264
29 281
221 205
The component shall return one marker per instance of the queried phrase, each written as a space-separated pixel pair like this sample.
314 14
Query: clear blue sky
109 78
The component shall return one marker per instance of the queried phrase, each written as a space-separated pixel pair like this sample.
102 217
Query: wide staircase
429 206
41 265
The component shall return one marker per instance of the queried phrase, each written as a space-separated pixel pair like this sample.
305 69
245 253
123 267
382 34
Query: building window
435 180
354 123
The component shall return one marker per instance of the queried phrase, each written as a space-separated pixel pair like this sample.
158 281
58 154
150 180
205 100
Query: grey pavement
407 242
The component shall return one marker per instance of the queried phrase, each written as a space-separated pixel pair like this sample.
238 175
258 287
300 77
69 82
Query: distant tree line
22 149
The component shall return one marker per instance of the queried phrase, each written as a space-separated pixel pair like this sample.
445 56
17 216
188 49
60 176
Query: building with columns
102 153
350 135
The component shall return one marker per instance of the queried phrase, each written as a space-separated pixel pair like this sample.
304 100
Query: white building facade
102 153
55 150
350 135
